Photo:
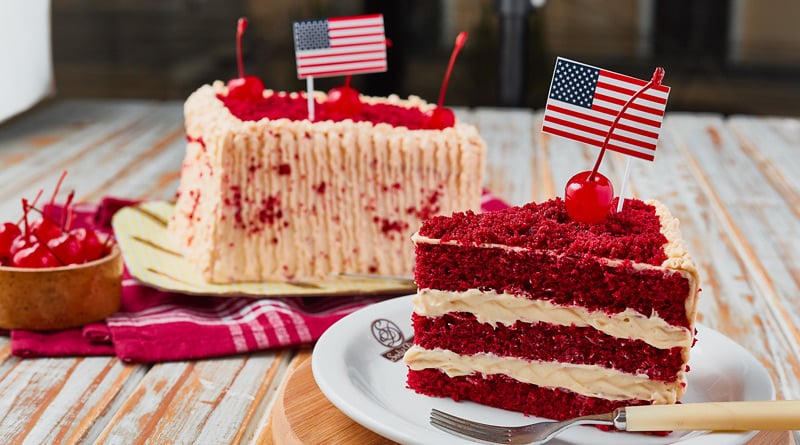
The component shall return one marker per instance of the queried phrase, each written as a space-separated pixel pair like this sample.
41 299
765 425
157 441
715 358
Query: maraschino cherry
8 232
344 99
67 249
244 87
46 242
36 256
440 117
588 195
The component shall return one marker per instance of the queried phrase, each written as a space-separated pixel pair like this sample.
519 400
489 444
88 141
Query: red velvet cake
266 194
527 310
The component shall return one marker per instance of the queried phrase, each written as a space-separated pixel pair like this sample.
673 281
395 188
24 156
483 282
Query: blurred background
728 56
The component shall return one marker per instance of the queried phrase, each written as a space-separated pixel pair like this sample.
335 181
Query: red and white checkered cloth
155 326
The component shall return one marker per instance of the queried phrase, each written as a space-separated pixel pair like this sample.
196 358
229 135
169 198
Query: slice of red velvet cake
527 310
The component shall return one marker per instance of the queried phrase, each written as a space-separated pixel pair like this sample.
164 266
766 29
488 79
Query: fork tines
469 429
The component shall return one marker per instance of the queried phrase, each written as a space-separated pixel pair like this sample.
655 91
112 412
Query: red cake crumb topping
282 105
634 234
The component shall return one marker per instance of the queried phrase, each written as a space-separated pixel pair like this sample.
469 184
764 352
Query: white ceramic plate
352 366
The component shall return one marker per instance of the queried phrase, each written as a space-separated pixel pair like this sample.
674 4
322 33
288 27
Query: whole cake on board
294 187
528 310
266 194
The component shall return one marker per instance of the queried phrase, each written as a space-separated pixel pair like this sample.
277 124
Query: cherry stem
70 218
460 40
25 210
347 80
658 76
58 186
35 200
66 210
241 25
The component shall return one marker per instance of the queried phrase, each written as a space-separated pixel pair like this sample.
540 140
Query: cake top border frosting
278 105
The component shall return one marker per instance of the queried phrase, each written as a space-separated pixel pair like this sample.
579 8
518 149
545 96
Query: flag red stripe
346 28
354 17
632 80
349 53
333 64
635 154
601 121
373 69
594 143
626 91
633 106
632 117
601 133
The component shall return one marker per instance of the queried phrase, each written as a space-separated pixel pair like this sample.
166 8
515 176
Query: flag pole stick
624 188
310 97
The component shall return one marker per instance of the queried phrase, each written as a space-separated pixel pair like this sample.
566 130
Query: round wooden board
303 415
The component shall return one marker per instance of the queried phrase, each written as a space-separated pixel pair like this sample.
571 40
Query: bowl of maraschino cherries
53 276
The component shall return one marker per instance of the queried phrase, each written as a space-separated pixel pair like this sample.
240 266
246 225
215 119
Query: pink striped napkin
155 326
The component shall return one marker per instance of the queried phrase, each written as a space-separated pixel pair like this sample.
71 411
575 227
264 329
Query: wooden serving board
303 415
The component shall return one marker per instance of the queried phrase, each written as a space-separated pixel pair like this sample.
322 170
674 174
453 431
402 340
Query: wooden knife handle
767 415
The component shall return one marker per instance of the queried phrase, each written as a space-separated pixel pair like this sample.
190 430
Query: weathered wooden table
734 183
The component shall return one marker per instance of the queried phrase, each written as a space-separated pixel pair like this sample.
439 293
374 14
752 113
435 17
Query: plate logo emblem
388 334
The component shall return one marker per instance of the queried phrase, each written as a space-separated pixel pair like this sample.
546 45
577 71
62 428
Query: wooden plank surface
129 149
734 183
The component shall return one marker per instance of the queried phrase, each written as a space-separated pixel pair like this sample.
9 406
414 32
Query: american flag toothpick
607 110
337 47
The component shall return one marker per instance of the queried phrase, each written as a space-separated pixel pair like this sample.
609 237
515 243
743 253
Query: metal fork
534 434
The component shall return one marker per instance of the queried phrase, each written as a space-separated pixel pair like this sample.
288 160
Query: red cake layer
578 280
633 234
282 105
504 392
463 334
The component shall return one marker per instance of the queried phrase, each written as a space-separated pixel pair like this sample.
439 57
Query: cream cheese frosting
587 380
493 308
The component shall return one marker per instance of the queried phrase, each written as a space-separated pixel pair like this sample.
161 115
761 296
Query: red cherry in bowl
35 256
344 100
588 201
8 232
439 118
21 242
91 246
247 87
67 248
45 229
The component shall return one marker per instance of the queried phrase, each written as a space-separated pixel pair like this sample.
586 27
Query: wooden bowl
60 297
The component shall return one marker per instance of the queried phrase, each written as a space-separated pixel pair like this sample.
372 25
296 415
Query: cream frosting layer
587 380
294 200
493 308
